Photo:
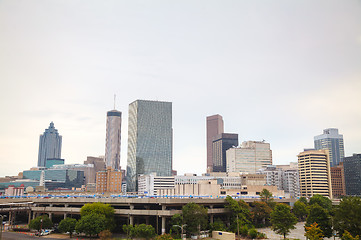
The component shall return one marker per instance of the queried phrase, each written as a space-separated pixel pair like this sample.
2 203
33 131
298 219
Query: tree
282 219
314 232
321 216
322 201
101 209
347 236
41 222
267 197
144 231
177 225
195 216
348 216
239 211
91 224
261 213
300 210
128 229
67 225
303 200
218 225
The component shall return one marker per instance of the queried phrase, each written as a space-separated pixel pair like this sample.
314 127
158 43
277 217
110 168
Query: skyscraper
49 145
149 140
333 142
314 173
112 142
221 143
214 128
352 168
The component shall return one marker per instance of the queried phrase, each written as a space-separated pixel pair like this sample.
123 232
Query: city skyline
279 71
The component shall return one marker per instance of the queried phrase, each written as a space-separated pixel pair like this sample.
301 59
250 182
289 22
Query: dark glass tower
150 140
221 143
49 145
352 170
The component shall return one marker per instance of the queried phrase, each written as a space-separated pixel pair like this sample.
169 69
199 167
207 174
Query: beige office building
109 181
249 158
314 173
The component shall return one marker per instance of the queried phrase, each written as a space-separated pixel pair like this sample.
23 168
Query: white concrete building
249 158
150 184
285 177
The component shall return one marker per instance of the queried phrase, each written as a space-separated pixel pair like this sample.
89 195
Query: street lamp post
181 227
1 225
41 226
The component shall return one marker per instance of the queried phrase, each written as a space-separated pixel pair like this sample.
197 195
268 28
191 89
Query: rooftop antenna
114 100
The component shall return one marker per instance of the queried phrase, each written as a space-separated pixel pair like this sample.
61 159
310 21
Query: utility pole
237 226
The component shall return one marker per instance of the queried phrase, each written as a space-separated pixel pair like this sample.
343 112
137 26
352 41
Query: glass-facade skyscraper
112 141
49 145
333 142
150 140
221 143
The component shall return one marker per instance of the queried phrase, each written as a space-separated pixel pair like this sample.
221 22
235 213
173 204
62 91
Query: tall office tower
352 168
314 173
249 158
112 144
150 140
331 140
221 143
214 128
49 145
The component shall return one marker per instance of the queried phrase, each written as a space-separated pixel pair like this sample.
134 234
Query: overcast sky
276 70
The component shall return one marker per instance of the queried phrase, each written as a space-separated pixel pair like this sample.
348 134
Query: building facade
333 142
56 178
109 180
352 168
314 173
49 145
338 180
98 162
221 143
112 141
150 140
249 158
150 184
215 127
284 177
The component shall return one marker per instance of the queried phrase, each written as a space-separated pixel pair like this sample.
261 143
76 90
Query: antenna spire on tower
114 100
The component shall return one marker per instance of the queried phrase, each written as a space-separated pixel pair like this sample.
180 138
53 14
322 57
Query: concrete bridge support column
34 215
50 216
29 218
163 225
65 215
131 220
211 218
147 220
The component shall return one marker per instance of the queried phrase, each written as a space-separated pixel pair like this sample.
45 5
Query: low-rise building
109 181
